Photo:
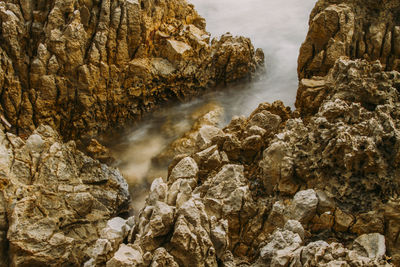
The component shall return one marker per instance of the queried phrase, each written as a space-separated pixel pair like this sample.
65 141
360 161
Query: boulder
57 201
304 206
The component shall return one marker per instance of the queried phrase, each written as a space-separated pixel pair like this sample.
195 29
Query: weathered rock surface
86 66
54 201
322 193
316 187
356 29
204 128
350 28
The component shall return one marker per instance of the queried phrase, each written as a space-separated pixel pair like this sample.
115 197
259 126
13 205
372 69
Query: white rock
126 256
371 244
186 168
304 206
280 240
115 230
295 227
206 134
35 143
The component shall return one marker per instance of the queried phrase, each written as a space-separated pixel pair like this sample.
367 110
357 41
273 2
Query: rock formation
54 200
319 186
364 29
84 67
277 190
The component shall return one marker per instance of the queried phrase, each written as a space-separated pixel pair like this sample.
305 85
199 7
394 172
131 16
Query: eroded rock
53 203
88 66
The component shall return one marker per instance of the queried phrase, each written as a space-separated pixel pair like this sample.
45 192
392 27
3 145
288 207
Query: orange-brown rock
84 67
352 28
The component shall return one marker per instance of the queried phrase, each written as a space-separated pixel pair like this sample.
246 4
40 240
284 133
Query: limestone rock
304 206
185 169
99 152
204 118
55 199
279 188
279 248
162 258
325 203
343 221
351 28
370 222
88 67
371 244
295 227
126 256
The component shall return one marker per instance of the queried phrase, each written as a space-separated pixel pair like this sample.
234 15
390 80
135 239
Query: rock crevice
84 67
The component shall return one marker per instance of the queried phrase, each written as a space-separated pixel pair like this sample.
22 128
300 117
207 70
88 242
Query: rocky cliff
355 29
364 29
276 190
318 186
83 67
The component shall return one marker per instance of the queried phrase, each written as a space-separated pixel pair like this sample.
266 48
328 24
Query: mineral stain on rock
318 186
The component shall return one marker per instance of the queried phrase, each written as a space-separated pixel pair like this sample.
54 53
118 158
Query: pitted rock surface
357 29
84 67
323 184
55 201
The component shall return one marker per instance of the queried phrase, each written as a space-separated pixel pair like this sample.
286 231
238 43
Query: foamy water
277 26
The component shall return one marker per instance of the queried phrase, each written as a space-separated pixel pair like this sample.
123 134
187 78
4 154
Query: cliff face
86 66
318 186
353 28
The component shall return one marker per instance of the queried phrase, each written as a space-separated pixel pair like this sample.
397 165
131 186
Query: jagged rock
325 203
206 135
337 158
88 66
278 252
111 236
333 164
351 28
343 221
295 227
55 200
370 222
277 166
252 146
392 229
206 117
185 169
99 152
322 222
265 120
162 258
304 206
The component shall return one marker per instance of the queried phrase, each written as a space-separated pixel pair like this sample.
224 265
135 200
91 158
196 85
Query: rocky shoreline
318 186
89 67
